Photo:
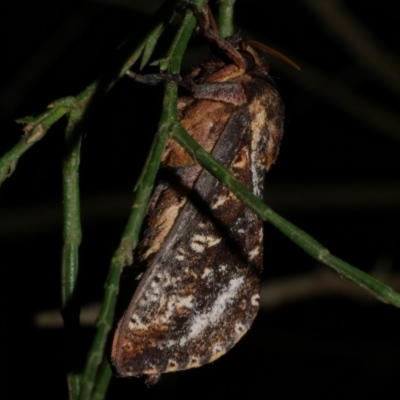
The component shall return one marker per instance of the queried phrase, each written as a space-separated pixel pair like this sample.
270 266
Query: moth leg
152 379
154 79
208 27
228 92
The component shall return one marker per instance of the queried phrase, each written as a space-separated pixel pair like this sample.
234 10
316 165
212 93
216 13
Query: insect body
200 292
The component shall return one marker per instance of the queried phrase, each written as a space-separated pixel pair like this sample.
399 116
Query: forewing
201 292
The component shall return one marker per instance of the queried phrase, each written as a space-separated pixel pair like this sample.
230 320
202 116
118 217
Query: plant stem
129 239
301 238
38 126
103 379
72 236
35 129
225 18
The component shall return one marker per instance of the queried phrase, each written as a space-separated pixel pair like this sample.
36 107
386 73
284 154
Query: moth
203 248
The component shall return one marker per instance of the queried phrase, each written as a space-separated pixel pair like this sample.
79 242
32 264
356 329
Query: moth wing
200 293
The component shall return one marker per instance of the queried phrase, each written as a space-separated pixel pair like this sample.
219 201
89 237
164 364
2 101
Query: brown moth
203 248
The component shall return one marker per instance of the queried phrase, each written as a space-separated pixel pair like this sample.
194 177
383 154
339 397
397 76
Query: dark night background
337 177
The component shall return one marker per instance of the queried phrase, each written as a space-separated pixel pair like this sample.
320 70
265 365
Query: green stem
301 238
225 20
102 380
129 240
181 39
130 52
72 236
35 129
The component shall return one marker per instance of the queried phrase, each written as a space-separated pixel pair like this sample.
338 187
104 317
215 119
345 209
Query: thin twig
225 17
34 131
123 254
92 377
37 127
72 236
104 378
301 238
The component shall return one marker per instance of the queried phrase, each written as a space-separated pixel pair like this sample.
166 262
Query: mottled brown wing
200 293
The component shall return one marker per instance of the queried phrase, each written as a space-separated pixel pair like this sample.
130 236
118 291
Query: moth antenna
275 53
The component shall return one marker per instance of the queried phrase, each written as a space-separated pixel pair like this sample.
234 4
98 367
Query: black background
336 177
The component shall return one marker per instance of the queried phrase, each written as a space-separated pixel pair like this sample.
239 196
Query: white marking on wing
254 253
212 241
255 300
186 302
202 321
